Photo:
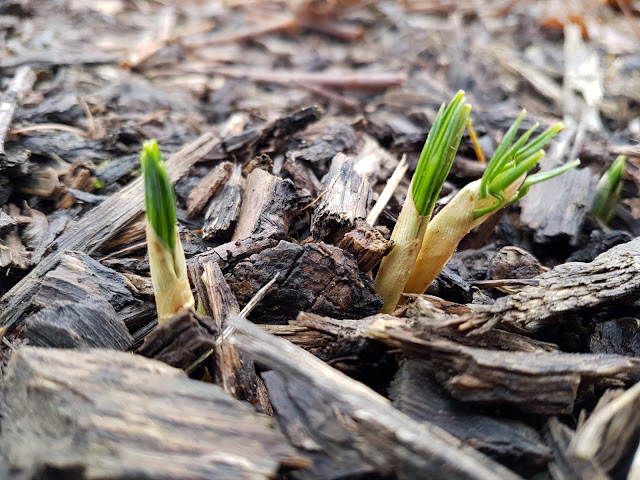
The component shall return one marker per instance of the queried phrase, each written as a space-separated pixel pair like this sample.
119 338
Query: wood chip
115 415
208 187
360 418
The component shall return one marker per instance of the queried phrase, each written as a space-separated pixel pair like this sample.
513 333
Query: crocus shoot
608 191
166 256
505 180
433 167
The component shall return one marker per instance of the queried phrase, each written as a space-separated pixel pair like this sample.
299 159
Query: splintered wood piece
13 253
346 80
610 429
223 210
88 323
313 277
534 382
368 244
346 198
256 192
311 340
613 276
98 226
182 340
358 418
220 298
416 393
278 210
208 187
428 324
110 414
561 218
237 375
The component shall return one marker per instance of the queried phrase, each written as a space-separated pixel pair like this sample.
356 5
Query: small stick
387 192
356 81
474 139
248 307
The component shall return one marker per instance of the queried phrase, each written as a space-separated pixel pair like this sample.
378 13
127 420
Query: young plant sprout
504 181
608 190
433 167
166 256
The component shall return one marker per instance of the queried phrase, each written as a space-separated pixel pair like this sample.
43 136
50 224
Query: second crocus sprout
505 180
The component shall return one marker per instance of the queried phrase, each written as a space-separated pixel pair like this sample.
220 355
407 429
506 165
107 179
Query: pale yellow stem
395 267
447 229
169 276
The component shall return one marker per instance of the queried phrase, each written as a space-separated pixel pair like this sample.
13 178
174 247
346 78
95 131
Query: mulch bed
281 123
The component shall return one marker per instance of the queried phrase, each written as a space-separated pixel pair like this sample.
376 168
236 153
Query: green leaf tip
608 190
160 201
438 153
514 159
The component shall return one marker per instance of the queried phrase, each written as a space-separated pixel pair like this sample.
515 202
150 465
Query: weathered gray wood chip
101 414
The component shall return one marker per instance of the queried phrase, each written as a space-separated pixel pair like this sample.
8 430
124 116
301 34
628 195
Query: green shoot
503 182
608 190
160 201
166 256
433 167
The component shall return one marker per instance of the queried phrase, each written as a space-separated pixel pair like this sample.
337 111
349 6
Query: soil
281 122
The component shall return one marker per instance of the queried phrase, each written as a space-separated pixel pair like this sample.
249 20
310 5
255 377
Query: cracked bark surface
313 277
612 276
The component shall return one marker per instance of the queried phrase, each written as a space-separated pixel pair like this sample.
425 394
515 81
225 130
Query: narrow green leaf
159 198
608 190
538 143
499 158
438 153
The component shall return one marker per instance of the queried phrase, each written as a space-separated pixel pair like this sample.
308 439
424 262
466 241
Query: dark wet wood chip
91 322
224 209
109 414
612 277
182 340
511 441
208 187
313 277
368 244
555 210
359 419
78 277
346 198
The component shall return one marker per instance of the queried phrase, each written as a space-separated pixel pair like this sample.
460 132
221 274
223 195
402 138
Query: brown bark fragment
208 187
346 198
368 244
256 193
313 277
223 210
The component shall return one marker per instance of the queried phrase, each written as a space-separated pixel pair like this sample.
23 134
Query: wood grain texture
101 414
613 276
388 439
